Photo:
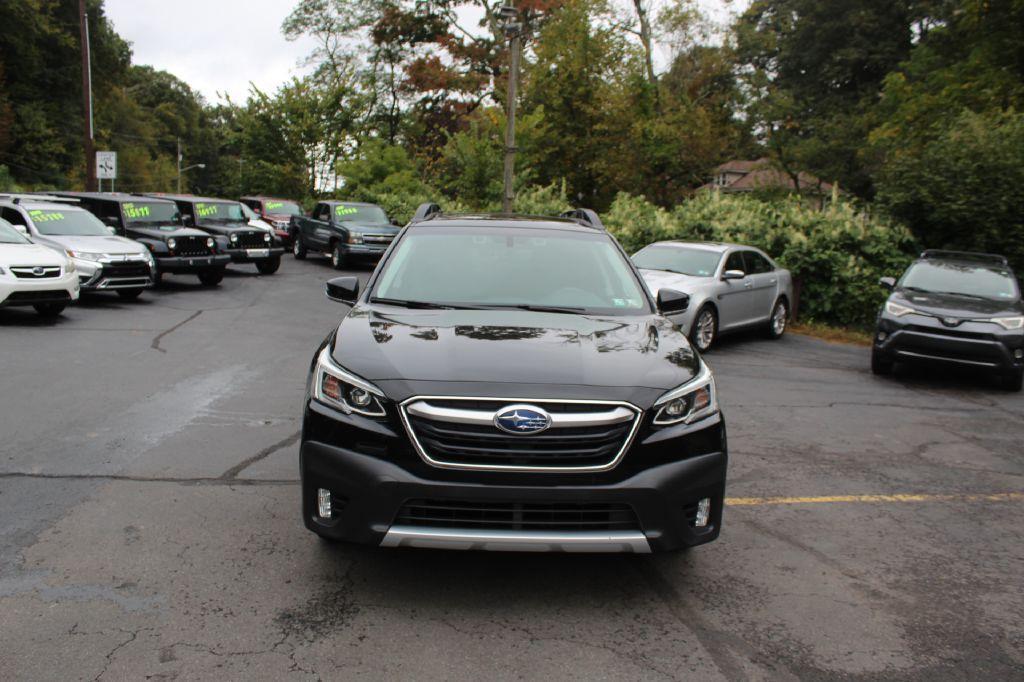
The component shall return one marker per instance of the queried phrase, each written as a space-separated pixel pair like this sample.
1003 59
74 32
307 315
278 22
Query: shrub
836 254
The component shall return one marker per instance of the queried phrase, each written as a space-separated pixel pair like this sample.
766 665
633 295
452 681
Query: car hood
370 229
98 244
660 279
226 228
165 231
947 305
29 254
514 347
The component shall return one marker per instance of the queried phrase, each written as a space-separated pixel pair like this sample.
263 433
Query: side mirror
343 290
671 301
187 221
22 229
888 282
111 229
733 274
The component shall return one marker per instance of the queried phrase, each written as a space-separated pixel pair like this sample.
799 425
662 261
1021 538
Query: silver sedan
731 287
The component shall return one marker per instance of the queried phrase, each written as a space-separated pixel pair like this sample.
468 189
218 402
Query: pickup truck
225 221
276 212
343 230
157 225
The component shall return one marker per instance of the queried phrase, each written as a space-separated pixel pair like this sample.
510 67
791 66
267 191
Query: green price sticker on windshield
203 210
271 205
133 211
345 210
39 216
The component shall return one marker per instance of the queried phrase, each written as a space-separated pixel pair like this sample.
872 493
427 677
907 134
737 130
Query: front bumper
364 251
23 292
254 255
108 276
368 493
971 344
183 264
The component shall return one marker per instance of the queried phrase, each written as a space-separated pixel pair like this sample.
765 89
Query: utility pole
513 29
89 146
179 165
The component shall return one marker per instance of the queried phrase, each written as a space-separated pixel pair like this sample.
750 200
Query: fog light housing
359 397
703 512
323 503
882 336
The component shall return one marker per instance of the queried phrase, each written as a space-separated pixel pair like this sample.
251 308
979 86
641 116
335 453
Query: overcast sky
220 46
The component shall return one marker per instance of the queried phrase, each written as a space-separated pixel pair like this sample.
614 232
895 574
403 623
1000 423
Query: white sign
106 165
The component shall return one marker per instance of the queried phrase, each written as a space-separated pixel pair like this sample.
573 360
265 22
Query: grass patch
854 336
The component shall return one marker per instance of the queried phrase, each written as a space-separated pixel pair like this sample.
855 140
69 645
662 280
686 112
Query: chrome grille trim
378 238
517 541
636 415
26 271
421 408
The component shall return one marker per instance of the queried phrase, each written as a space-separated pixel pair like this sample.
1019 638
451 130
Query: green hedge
836 254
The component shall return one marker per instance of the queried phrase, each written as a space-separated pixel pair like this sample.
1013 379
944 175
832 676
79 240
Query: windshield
66 222
282 207
371 215
681 260
9 235
960 278
230 211
162 212
494 267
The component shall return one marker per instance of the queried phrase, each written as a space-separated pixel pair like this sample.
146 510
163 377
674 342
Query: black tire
268 266
1013 381
703 342
880 365
129 294
211 278
298 248
779 320
337 256
49 309
158 278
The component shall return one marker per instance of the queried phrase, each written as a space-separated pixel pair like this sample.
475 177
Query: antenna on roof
425 212
585 216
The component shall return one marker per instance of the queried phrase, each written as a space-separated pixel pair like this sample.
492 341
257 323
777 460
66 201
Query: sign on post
106 165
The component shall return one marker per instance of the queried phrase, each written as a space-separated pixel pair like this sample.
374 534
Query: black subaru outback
953 308
507 383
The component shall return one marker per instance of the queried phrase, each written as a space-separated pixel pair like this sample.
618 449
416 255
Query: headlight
343 390
267 238
210 243
172 243
1010 323
694 400
149 257
84 255
355 238
897 310
2 271
234 238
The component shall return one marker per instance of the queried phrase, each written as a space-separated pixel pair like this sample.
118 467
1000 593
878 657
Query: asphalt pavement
149 521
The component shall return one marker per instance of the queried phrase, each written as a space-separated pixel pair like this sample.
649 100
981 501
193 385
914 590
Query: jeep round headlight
695 400
234 237
342 390
172 243
210 243
267 237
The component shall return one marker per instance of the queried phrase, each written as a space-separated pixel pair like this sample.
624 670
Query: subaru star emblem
522 419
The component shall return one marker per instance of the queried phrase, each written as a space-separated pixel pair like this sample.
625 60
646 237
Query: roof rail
584 216
965 255
425 212
18 197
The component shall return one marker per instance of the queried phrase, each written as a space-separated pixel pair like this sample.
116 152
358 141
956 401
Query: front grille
38 297
252 240
533 516
378 238
126 269
951 332
28 272
453 443
191 246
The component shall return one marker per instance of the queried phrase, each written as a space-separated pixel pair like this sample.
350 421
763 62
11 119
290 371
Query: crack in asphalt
233 472
155 345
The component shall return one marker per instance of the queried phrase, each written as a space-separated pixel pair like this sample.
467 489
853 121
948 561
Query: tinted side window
735 262
756 263
13 217
322 212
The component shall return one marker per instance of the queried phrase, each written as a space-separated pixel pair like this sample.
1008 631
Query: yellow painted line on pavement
833 499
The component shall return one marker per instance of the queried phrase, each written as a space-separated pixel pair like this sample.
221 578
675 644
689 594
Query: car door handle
749 285
774 281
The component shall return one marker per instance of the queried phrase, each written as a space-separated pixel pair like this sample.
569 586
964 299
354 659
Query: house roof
761 174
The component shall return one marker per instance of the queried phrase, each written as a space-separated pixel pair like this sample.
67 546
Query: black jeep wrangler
225 221
157 223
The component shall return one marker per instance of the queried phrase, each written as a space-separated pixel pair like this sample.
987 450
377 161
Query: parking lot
149 520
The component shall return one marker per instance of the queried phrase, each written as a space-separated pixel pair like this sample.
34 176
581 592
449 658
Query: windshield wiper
960 293
534 308
422 305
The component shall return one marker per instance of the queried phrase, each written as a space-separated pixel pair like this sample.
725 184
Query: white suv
34 275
